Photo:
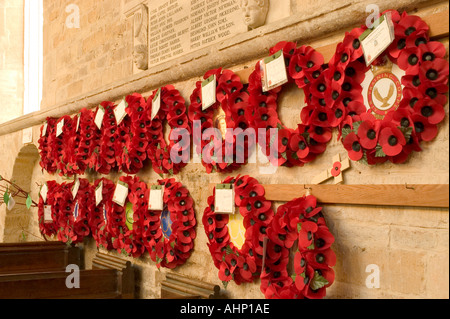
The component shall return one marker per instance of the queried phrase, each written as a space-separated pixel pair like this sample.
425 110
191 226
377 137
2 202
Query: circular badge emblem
384 93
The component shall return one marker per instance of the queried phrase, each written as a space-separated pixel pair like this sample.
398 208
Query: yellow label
237 230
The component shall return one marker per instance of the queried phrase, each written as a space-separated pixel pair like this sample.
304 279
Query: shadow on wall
18 221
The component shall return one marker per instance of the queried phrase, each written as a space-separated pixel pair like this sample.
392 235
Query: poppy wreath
47 161
64 205
233 99
300 220
240 265
173 251
302 145
86 142
131 144
98 221
48 228
106 155
370 139
86 202
63 147
128 241
173 109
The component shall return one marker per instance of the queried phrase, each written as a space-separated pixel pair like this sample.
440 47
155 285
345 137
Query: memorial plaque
178 27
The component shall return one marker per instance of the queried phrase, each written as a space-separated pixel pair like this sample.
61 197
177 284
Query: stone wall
93 63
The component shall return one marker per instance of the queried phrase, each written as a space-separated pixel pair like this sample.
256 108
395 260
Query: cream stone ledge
302 28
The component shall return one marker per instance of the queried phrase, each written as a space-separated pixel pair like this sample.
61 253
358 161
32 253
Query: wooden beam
439 28
427 195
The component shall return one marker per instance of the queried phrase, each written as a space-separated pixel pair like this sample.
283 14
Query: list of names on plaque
180 26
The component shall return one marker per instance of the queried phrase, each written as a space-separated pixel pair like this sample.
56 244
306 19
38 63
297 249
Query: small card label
43 192
59 128
44 130
156 198
48 214
156 104
78 123
376 40
99 194
224 199
120 111
209 92
121 193
99 117
75 188
273 71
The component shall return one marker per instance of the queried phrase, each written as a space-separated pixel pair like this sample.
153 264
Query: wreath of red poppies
131 143
300 220
87 140
48 228
106 159
126 241
46 146
173 251
169 159
232 97
302 145
240 265
373 140
98 220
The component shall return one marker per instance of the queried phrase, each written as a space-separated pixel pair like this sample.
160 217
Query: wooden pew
180 287
37 257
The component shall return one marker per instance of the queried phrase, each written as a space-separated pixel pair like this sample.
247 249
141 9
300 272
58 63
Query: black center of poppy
210 221
323 117
401 44
180 122
140 109
404 122
356 146
337 76
347 87
320 243
428 56
432 74
306 280
306 80
310 64
310 236
245 266
309 209
350 72
183 203
356 44
321 87
302 145
322 102
346 101
413 101
410 30
264 117
298 68
227 272
432 92
316 74
416 81
258 204
142 135
185 213
262 217
371 134
319 130
178 194
344 58
393 140
413 59
427 111
320 258
303 262
178 112
420 41
335 95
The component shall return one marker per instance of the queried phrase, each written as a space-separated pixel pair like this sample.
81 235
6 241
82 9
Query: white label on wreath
375 42
99 194
156 199
156 104
224 200
75 188
120 194
209 92
44 130
43 192
78 123
274 72
48 214
99 117
59 128
120 111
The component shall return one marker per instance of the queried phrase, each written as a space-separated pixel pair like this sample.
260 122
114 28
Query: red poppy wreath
168 159
304 144
48 227
46 140
232 99
106 154
240 265
172 247
389 125
131 143
64 147
125 224
87 139
298 221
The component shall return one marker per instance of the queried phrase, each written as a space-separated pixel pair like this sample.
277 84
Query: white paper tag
209 92
156 199
78 123
75 188
59 128
274 72
375 41
120 194
11 203
99 117
48 214
119 111
43 192
156 104
27 135
224 200
44 130
99 194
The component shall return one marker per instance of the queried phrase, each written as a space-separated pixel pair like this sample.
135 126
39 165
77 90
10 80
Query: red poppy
353 145
368 133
